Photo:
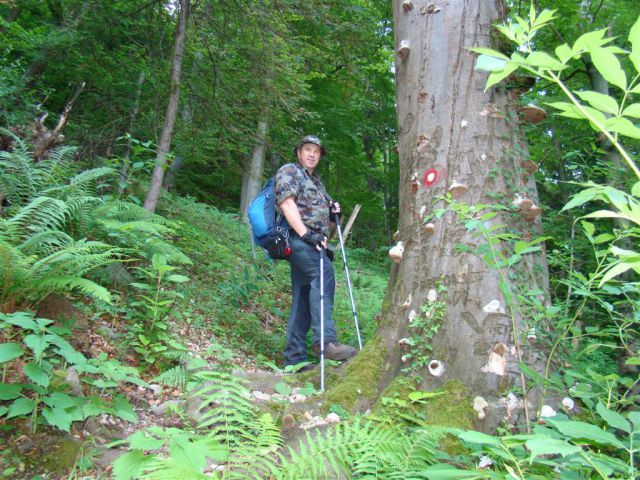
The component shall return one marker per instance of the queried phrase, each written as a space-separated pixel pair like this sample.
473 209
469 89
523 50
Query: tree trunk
172 107
252 180
448 123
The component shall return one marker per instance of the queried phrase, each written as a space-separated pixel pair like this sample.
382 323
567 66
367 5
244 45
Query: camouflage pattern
311 198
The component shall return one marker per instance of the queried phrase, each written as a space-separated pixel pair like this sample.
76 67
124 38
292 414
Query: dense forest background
160 314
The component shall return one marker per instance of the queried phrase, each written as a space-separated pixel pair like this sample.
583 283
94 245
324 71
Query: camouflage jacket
311 198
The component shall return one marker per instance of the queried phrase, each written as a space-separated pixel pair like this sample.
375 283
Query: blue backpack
270 230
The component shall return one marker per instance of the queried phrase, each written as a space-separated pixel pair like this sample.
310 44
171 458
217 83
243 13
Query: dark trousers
305 305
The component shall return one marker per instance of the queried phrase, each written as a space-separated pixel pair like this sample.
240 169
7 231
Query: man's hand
316 239
334 211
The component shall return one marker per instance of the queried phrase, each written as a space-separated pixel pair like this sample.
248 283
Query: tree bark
126 157
252 179
447 122
172 108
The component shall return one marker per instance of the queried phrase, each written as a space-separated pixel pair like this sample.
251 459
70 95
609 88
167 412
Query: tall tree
456 140
172 109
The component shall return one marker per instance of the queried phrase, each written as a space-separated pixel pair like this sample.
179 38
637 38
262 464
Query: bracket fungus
532 114
568 403
407 6
479 405
492 307
456 189
436 368
407 303
522 204
432 295
396 252
546 412
404 343
429 228
531 214
497 363
404 49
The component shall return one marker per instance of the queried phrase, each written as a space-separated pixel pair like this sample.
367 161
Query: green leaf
586 431
623 126
442 471
479 437
609 66
632 110
617 269
22 406
569 110
550 446
36 374
60 400
602 102
633 361
57 417
21 319
9 391
544 61
122 408
589 39
635 190
634 417
497 77
283 388
177 278
634 39
564 53
131 465
614 419
490 64
3 410
37 344
9 351
142 440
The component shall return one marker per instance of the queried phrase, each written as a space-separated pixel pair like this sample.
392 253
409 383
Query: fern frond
172 469
174 377
69 283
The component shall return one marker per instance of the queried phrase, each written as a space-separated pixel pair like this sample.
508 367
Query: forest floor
232 317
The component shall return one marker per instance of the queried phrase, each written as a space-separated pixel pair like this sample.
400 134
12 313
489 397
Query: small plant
151 338
40 356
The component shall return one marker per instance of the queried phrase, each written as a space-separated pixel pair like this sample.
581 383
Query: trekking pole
321 321
346 271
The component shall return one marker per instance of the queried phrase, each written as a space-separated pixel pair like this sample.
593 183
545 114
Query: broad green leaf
602 102
586 431
9 391
9 351
36 374
623 126
419 395
57 417
609 66
634 39
189 452
545 61
588 39
472 436
177 278
142 440
617 269
22 406
490 64
497 77
122 408
37 344
442 471
633 361
632 110
21 319
614 419
3 410
635 190
634 417
550 446
564 53
569 110
141 286
60 400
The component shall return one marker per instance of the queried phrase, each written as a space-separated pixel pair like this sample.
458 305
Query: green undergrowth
246 301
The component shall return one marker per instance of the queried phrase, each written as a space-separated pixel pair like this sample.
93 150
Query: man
303 200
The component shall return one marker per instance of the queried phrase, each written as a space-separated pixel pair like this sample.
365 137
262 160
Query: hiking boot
335 351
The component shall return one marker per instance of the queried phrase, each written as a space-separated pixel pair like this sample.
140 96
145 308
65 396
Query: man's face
309 155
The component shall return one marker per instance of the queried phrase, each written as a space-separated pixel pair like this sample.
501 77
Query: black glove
313 238
330 254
